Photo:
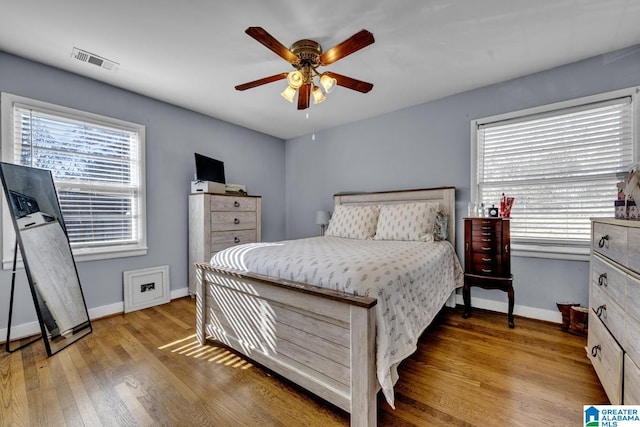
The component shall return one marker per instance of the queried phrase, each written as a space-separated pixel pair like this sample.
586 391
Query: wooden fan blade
270 42
354 43
304 94
262 81
350 83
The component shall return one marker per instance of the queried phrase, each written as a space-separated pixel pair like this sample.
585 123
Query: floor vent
90 58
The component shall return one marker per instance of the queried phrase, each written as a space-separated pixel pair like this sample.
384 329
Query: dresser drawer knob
484 248
486 259
604 240
236 240
236 204
602 279
236 221
602 311
486 270
595 349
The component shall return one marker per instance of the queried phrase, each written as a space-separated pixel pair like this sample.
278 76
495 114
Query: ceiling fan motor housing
308 53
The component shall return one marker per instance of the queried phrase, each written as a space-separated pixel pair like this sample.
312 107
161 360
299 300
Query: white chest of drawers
614 298
217 222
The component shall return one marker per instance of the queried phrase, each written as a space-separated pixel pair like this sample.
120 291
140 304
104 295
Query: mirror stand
46 253
13 286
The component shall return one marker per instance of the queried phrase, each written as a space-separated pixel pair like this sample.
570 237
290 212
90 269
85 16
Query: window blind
95 169
562 168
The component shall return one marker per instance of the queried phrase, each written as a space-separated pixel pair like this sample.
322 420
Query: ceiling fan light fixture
295 79
306 56
318 96
328 82
289 93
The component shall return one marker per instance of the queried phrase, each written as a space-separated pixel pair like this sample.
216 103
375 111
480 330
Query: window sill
570 253
93 254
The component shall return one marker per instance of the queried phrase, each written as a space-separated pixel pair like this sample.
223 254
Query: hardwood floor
146 368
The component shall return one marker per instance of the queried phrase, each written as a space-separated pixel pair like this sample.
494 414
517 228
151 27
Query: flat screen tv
208 169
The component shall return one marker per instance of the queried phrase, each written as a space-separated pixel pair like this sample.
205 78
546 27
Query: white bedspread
411 281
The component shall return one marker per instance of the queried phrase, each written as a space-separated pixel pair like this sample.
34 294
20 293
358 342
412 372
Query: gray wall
423 146
429 145
173 134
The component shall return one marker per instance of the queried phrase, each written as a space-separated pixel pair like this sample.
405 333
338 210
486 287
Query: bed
324 322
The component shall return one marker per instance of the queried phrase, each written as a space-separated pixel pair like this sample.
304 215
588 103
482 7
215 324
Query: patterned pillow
441 227
353 222
407 221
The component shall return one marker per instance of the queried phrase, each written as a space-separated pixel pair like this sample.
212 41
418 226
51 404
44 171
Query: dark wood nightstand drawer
486 269
486 234
485 264
486 225
489 237
481 258
491 247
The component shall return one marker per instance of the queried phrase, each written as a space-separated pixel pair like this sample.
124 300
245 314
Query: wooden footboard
320 339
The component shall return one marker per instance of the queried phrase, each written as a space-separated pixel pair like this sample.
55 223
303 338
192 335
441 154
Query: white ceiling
193 52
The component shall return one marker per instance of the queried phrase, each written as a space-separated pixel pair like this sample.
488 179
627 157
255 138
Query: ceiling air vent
88 57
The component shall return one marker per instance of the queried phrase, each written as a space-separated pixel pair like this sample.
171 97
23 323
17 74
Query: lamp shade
322 217
327 82
318 96
289 93
295 79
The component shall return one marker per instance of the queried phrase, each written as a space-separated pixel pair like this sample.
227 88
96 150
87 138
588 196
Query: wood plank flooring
146 368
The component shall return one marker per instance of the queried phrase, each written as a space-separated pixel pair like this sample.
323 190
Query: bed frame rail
320 339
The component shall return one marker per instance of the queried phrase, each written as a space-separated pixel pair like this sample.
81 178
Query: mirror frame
26 190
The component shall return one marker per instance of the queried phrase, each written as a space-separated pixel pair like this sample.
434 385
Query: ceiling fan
306 56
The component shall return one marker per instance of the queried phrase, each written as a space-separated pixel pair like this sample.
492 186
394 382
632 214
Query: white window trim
578 252
80 254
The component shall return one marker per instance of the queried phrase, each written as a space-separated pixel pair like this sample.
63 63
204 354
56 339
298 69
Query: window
98 168
561 163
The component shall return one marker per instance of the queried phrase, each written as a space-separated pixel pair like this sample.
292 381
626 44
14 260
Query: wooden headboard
445 196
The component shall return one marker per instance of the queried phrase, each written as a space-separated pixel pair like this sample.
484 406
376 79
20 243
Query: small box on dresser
217 222
613 343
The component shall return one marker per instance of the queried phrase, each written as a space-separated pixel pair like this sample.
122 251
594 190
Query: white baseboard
518 310
179 293
33 328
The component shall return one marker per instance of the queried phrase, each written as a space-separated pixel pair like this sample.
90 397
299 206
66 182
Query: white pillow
407 221
353 222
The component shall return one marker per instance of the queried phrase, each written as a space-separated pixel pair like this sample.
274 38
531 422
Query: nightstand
487 253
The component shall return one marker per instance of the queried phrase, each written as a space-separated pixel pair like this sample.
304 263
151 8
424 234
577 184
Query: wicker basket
579 318
565 309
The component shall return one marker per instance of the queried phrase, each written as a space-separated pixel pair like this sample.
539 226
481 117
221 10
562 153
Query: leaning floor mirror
41 236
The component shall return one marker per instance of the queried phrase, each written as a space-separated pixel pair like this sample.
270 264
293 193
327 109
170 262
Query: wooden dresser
218 221
487 255
614 298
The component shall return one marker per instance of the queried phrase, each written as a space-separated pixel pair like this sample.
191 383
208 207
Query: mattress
411 281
